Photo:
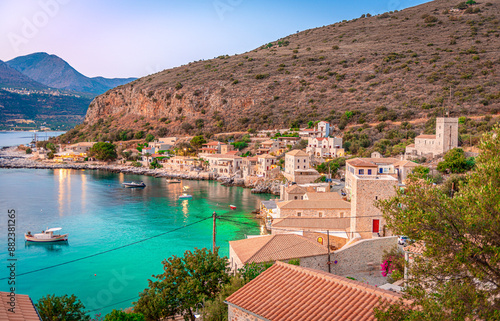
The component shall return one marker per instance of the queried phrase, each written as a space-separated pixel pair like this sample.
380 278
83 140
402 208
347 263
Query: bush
455 162
261 76
178 86
117 315
136 164
149 138
139 135
28 151
68 308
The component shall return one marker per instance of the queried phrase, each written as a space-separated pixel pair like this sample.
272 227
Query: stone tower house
446 134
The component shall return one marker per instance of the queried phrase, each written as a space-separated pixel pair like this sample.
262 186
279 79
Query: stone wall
326 212
365 194
235 314
362 256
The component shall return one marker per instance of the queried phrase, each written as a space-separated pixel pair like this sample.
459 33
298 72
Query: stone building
446 138
314 208
325 147
321 129
298 169
289 292
267 166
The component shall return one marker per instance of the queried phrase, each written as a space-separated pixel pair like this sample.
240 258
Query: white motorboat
173 181
185 197
46 236
134 184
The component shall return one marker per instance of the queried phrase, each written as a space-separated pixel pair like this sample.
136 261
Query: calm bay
100 216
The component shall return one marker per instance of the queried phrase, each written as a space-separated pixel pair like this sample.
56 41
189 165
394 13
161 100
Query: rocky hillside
438 57
11 78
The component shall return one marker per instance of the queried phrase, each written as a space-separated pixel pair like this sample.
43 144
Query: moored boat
185 197
173 181
134 184
232 207
46 236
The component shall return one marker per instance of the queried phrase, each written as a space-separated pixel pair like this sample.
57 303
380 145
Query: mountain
54 72
11 78
416 63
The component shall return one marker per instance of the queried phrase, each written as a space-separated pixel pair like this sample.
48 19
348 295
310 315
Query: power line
110 250
113 304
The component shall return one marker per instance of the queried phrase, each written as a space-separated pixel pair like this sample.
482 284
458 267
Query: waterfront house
164 143
249 166
314 208
281 247
225 165
80 148
289 292
267 166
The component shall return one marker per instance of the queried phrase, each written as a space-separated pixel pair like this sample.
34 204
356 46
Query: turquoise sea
14 138
100 215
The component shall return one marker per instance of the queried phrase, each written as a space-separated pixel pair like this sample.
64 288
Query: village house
430 146
284 292
267 166
181 163
297 168
225 165
249 166
80 148
321 129
216 148
268 147
325 147
314 208
287 142
280 247
164 143
315 228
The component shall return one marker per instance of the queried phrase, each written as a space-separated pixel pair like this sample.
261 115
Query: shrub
178 86
261 76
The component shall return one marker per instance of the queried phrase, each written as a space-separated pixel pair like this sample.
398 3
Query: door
375 226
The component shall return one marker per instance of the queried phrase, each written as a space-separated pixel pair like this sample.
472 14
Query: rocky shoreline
13 158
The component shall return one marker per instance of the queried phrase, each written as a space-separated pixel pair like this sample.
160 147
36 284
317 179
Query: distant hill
416 63
54 72
11 78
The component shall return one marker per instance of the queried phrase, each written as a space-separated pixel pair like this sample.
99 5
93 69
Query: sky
126 38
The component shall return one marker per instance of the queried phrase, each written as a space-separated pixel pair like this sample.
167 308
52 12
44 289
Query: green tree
28 151
139 134
149 138
200 123
61 308
103 151
458 275
118 315
197 141
455 162
186 282
216 310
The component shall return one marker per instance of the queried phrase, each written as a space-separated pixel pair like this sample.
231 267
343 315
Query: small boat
46 236
232 207
173 181
134 184
185 197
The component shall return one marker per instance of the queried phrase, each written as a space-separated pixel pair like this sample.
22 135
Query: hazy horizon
120 39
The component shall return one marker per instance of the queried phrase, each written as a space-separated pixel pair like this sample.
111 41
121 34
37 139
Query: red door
375 226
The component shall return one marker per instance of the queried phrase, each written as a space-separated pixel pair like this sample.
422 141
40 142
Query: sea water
110 254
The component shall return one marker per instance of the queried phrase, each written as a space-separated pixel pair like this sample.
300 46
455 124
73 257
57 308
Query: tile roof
315 204
212 144
289 292
295 189
266 156
312 223
323 196
357 162
25 310
296 152
371 162
426 136
276 247
405 163
411 145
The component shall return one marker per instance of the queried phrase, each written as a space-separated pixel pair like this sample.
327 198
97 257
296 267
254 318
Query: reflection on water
49 247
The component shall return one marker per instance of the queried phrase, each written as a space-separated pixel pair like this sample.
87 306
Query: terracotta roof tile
25 310
416 248
295 189
323 196
276 247
307 294
426 136
297 152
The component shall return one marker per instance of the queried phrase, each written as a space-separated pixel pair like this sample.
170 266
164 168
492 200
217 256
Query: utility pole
214 215
328 242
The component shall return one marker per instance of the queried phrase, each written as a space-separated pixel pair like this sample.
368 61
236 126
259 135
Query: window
320 214
295 197
376 197
361 172
369 172
299 214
